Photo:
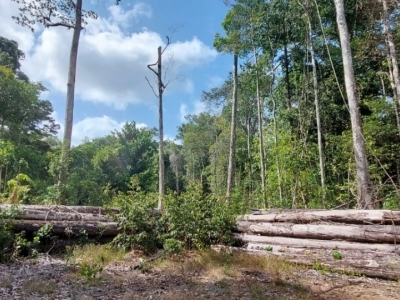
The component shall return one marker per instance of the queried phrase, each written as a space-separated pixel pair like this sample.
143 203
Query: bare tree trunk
392 48
69 111
161 183
260 130
232 145
317 110
365 199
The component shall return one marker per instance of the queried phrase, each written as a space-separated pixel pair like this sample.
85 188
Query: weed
336 254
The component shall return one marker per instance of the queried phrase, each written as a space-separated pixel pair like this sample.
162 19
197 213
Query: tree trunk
353 233
60 216
93 210
260 130
69 111
161 183
392 48
68 228
313 244
317 110
387 217
232 144
365 198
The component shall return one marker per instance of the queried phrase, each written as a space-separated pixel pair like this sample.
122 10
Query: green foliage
140 224
21 246
172 246
44 234
197 219
336 255
6 234
89 270
268 248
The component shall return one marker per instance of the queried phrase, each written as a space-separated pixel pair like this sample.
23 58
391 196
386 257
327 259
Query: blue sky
114 52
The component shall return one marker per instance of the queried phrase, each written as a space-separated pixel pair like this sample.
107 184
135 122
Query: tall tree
365 198
159 94
392 49
68 14
316 101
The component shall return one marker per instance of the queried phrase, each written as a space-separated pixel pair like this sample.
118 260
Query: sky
114 51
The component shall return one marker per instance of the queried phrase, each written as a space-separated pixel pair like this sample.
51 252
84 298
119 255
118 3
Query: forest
286 106
301 138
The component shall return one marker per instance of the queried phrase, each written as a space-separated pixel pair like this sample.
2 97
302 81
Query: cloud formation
112 63
90 128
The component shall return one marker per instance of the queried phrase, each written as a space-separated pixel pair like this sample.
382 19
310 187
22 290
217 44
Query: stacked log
65 220
356 241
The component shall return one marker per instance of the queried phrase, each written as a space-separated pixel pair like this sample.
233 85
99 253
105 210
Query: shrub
197 219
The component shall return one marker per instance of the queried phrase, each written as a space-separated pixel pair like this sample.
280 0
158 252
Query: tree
60 13
159 94
365 198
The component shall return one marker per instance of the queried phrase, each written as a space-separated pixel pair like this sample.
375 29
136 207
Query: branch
148 81
149 66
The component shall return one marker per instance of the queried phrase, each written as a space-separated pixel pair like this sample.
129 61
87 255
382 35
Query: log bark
68 228
314 244
367 263
61 216
95 210
356 233
388 217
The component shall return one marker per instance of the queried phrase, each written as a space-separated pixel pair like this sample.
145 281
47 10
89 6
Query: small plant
173 246
268 248
336 254
83 237
43 235
89 270
22 247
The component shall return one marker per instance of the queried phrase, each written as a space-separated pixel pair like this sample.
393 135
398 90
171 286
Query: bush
196 219
192 220
140 225
6 235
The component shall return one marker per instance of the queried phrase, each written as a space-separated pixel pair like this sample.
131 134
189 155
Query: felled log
68 228
51 215
355 233
388 217
369 263
95 210
266 241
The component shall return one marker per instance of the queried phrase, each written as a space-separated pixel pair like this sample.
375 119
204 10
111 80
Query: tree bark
353 262
61 216
392 48
353 233
94 210
317 109
161 178
365 198
232 144
260 130
387 217
68 228
252 240
69 111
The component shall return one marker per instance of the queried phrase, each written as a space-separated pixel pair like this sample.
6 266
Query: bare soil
193 275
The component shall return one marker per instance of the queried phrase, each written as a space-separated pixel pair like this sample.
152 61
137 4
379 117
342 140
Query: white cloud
11 30
215 81
112 64
92 127
124 18
197 108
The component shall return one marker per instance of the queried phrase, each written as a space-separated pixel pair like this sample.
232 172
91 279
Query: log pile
362 242
66 220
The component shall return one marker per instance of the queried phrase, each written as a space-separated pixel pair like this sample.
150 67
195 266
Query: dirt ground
194 275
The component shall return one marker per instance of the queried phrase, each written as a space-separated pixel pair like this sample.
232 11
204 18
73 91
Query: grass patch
38 287
100 254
